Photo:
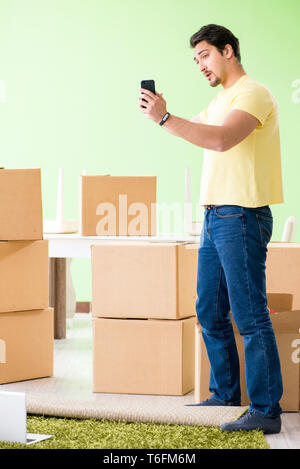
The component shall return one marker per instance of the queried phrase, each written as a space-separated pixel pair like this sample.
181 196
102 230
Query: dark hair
217 36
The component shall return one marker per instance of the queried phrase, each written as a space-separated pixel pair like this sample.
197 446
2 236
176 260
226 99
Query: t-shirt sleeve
201 117
258 102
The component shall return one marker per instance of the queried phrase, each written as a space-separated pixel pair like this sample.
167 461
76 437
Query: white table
63 248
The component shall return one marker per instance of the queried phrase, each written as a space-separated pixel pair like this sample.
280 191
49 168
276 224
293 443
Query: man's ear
228 51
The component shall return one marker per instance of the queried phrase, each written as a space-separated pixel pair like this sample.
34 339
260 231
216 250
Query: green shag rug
104 434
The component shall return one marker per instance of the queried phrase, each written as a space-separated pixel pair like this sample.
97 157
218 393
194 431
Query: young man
241 177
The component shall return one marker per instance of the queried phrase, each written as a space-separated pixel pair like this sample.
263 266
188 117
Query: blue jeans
231 276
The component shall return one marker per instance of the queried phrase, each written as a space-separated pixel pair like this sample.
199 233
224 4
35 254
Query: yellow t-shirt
249 174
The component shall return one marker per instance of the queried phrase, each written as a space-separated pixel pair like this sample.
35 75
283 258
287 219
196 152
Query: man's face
211 62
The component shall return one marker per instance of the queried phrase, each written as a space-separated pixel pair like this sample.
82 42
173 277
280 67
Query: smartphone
148 85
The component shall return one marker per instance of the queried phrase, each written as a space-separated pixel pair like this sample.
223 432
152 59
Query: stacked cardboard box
283 271
286 328
143 307
283 292
26 321
117 205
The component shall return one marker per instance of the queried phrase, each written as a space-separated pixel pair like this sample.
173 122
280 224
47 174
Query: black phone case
148 85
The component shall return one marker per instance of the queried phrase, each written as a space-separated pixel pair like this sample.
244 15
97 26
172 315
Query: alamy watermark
2 92
296 353
140 219
296 92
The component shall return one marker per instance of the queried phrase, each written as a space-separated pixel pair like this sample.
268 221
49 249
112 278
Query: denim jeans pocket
265 224
229 211
263 211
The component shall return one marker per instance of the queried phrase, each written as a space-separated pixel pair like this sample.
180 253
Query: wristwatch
165 117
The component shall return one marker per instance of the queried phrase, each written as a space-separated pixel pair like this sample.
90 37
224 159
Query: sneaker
251 421
214 401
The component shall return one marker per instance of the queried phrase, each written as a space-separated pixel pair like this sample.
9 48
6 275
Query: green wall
72 71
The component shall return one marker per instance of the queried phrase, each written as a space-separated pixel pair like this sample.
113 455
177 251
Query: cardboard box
143 356
26 345
24 274
283 270
20 204
286 326
144 280
118 205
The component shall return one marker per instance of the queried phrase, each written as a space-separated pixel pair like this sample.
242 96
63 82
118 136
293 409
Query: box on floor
144 280
286 326
20 204
26 345
24 273
118 205
143 356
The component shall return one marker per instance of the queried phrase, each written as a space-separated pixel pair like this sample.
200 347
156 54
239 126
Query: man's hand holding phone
152 105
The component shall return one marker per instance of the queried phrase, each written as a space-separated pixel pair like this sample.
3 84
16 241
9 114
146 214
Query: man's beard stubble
215 82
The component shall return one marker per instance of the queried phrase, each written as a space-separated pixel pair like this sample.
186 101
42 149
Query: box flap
280 301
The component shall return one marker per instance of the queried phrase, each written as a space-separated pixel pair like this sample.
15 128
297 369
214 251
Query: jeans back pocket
265 224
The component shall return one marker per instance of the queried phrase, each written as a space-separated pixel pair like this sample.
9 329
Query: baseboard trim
83 306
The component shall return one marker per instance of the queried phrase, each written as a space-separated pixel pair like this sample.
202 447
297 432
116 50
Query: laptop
13 420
